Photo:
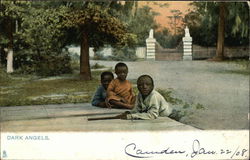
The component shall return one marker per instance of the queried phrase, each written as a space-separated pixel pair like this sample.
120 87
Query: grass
168 95
245 65
181 109
22 90
241 72
18 90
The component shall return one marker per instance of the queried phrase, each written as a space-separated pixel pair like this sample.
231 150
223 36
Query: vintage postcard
107 80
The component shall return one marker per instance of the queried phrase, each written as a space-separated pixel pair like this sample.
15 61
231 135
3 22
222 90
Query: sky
162 19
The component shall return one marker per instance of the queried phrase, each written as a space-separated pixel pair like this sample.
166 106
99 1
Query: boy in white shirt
149 104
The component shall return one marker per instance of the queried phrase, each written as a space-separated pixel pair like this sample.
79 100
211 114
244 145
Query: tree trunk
249 9
10 61
85 73
10 48
221 33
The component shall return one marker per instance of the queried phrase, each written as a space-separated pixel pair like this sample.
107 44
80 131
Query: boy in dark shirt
101 93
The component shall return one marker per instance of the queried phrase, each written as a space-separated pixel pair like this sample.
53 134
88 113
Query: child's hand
108 105
124 115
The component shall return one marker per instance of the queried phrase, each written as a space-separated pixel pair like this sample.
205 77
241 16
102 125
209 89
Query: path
217 86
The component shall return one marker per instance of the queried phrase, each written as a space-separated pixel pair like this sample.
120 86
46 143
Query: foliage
97 66
203 23
124 54
43 33
176 21
38 38
181 109
237 30
95 27
141 23
100 26
167 94
9 16
4 78
167 40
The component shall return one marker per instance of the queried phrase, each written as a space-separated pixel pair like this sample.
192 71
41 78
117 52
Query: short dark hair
120 64
107 73
146 76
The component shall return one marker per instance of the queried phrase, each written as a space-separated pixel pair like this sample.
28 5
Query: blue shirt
100 96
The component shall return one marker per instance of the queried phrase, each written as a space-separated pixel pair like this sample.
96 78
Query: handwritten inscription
132 150
196 150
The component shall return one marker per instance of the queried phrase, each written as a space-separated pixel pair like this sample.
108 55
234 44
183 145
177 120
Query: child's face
106 80
121 73
145 86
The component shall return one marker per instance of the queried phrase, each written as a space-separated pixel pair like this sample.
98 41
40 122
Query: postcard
107 80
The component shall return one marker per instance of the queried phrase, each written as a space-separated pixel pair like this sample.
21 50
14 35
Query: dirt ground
220 87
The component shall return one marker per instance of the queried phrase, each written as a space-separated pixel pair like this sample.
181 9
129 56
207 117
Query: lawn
16 90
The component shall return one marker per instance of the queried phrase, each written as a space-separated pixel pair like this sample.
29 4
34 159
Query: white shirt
151 107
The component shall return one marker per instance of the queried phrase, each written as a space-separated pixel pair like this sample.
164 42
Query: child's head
145 85
121 70
106 78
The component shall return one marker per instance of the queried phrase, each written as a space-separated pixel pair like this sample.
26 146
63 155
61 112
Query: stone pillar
187 45
150 42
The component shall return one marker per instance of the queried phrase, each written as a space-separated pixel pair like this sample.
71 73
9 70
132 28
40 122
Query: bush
123 54
97 66
4 77
28 62
51 65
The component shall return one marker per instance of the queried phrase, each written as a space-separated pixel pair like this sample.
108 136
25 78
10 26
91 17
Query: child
100 94
149 103
119 92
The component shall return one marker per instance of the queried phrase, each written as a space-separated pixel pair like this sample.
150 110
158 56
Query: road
218 86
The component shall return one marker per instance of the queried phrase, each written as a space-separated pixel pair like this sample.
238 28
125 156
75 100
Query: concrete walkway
74 117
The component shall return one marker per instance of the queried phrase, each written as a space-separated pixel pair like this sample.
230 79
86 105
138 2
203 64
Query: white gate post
150 42
187 45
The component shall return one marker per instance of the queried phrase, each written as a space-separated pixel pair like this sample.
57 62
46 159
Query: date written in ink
197 151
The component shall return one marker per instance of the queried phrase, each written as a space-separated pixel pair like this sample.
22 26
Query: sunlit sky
162 19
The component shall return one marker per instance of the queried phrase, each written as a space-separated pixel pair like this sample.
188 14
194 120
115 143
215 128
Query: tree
9 14
221 33
176 20
203 23
142 22
36 35
168 40
44 36
95 27
139 20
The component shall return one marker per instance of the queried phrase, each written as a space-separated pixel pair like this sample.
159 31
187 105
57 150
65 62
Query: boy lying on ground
149 103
